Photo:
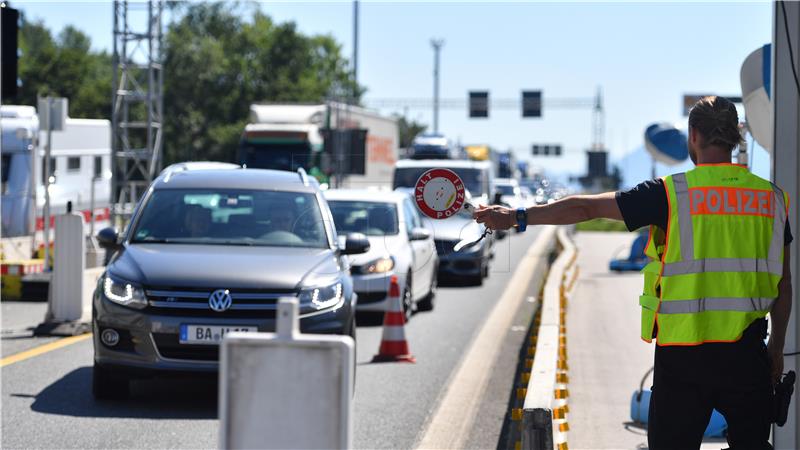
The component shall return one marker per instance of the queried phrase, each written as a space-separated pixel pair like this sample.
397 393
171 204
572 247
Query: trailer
80 173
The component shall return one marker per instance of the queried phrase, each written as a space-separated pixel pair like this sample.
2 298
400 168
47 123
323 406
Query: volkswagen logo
220 300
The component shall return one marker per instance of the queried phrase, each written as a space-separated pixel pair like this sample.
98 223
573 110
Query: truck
351 145
80 173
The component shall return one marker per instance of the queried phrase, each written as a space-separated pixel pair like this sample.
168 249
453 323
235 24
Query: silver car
210 251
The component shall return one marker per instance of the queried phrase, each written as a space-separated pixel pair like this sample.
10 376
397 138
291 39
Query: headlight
380 265
322 297
123 293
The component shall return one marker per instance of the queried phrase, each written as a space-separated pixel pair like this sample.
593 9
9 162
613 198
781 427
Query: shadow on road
190 397
635 428
369 319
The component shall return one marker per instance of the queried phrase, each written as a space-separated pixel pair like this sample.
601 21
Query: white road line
450 425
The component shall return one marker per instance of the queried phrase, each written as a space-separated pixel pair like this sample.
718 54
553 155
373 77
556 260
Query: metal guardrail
545 409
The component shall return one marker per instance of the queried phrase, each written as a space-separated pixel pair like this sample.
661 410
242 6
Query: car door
422 250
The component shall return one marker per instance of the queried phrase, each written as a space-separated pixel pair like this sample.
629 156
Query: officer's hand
775 353
495 217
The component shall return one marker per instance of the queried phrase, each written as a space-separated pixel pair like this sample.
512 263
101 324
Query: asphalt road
47 401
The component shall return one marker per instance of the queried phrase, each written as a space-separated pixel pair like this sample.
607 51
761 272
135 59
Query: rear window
370 218
474 179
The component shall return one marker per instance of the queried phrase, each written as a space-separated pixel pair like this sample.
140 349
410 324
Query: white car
399 245
510 192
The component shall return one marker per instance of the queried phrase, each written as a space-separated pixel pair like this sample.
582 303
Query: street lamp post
355 51
437 46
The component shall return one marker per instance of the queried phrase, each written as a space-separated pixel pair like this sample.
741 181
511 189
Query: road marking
42 349
450 425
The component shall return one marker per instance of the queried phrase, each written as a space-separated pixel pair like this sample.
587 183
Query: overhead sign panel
546 149
479 104
690 99
531 103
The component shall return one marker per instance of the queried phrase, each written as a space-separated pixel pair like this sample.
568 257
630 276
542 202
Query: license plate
209 334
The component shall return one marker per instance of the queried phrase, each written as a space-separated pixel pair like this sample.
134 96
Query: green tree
64 67
217 64
408 130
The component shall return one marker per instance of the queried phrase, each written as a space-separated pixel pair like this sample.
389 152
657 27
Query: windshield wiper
152 241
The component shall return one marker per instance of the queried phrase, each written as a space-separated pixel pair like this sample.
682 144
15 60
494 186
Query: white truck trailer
289 136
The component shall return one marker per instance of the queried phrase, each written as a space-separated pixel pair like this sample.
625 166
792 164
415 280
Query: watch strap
522 219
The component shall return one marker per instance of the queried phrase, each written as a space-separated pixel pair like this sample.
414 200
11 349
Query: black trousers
689 382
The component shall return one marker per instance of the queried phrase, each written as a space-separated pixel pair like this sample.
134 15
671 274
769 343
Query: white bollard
285 390
66 299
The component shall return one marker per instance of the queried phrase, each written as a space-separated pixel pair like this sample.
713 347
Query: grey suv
209 251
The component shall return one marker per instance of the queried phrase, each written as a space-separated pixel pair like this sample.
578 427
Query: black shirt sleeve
644 204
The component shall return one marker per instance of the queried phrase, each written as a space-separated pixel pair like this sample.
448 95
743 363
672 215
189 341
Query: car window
370 218
413 214
231 217
475 180
505 189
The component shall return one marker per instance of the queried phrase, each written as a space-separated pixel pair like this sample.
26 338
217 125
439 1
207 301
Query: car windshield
505 189
370 218
285 156
231 217
473 178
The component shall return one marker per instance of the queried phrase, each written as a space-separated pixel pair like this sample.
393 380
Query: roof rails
303 176
195 165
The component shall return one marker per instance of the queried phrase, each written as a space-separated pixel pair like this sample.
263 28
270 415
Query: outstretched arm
569 210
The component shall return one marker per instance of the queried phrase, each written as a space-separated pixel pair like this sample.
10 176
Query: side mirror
355 244
108 238
419 234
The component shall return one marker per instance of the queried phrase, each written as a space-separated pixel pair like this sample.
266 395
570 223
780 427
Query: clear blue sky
644 55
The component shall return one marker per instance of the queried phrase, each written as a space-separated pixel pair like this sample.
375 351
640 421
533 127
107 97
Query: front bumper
149 341
372 291
458 264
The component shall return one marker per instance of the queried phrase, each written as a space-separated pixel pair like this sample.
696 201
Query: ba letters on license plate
209 334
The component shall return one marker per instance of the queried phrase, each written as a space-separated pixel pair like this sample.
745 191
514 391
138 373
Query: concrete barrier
69 297
286 390
545 409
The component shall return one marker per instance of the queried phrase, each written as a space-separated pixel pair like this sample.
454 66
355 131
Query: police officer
719 240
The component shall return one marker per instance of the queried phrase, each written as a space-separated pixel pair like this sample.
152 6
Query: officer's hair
717 121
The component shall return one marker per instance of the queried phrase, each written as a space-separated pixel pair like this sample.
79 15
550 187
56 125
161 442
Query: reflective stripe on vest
715 304
723 265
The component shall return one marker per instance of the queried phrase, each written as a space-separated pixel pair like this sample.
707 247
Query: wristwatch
522 219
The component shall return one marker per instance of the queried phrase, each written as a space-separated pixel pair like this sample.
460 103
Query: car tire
107 385
426 304
476 280
408 299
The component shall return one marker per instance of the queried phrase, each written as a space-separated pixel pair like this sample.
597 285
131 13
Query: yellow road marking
42 349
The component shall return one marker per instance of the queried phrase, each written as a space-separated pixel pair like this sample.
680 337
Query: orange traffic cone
394 346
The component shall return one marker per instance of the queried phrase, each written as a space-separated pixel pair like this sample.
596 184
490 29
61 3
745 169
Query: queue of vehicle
211 247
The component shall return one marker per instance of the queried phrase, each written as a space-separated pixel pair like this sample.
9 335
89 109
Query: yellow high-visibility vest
716 267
